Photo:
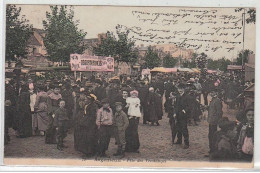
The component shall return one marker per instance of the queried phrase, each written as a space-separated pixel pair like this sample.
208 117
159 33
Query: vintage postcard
129 86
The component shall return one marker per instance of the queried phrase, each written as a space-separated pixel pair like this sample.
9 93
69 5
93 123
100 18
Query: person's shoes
122 155
104 155
177 143
86 156
117 153
185 146
59 148
64 146
136 151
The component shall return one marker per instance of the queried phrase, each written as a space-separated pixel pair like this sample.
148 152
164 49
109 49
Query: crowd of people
98 108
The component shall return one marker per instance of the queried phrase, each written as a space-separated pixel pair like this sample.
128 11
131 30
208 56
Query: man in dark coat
112 94
100 91
143 91
169 88
158 86
172 114
182 113
67 97
214 116
205 90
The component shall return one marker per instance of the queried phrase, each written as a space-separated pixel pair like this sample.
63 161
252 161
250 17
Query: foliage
243 55
251 12
220 64
18 31
63 36
121 47
190 63
151 58
201 61
169 61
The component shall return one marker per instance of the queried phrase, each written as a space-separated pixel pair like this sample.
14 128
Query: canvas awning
234 67
211 71
159 69
185 70
171 70
196 70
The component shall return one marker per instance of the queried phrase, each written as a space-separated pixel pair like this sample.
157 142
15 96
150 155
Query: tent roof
196 70
251 88
159 69
234 67
185 70
211 71
250 65
174 70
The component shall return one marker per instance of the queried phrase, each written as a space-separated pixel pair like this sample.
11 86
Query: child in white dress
133 104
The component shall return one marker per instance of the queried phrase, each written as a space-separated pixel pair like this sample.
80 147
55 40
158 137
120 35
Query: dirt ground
155 144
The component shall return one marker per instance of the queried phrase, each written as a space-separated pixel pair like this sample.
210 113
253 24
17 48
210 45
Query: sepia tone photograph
129 86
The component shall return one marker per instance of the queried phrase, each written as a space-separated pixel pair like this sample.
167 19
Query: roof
251 88
174 70
91 40
211 71
196 70
33 41
234 67
250 65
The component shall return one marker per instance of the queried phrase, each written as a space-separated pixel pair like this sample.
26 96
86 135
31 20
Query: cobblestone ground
155 144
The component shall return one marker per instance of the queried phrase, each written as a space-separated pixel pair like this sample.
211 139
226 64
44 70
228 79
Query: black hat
118 103
99 81
225 124
105 100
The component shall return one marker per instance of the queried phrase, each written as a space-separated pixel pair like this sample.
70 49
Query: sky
170 26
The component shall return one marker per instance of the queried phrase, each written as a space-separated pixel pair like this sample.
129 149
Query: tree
190 63
18 31
169 61
251 12
121 47
62 34
151 58
220 64
243 55
251 18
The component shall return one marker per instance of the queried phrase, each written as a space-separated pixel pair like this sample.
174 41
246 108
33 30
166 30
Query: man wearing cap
121 123
214 116
104 122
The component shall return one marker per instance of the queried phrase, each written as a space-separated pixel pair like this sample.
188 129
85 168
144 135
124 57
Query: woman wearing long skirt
53 105
24 113
79 110
152 105
86 130
40 118
134 113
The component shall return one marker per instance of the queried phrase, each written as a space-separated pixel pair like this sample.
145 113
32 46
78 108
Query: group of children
109 122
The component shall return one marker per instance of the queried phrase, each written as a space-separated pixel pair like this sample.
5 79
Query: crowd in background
98 108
